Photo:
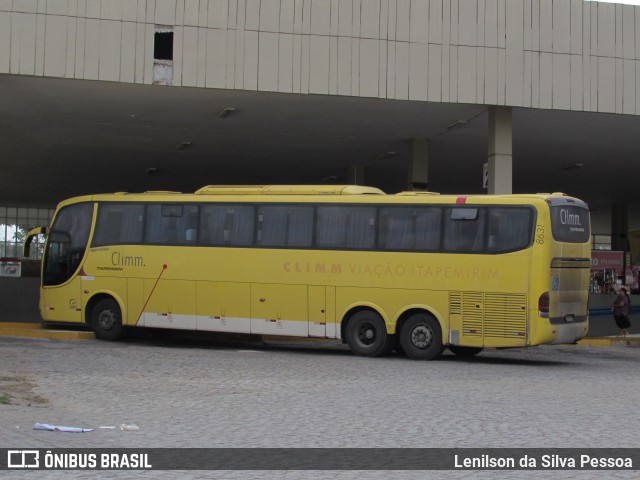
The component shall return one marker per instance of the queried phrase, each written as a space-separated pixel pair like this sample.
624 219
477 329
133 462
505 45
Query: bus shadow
487 359
220 341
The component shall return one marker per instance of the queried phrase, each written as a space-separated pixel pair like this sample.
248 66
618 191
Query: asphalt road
194 393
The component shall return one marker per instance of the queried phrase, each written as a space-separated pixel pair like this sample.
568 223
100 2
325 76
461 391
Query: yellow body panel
217 303
480 300
63 303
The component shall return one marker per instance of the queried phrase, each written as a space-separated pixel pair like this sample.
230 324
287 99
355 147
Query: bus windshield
67 243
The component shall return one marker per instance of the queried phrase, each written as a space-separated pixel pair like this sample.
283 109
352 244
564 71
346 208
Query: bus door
64 251
62 290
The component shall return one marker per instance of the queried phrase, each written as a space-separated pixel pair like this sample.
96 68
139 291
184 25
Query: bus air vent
496 315
505 315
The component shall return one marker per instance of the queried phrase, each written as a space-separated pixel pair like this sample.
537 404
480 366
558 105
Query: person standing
621 310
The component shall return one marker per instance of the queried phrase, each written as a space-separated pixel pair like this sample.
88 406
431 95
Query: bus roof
288 190
368 194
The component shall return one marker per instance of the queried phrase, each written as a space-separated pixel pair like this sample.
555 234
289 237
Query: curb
610 341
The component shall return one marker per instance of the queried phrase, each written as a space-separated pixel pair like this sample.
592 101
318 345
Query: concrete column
418 175
619 227
356 175
500 156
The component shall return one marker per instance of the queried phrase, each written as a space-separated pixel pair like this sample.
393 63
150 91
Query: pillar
619 226
418 175
500 155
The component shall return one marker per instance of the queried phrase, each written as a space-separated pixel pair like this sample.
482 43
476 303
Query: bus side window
464 229
188 226
273 226
346 227
119 224
428 228
300 227
285 226
397 229
160 229
510 228
331 227
410 228
227 225
171 224
110 233
361 231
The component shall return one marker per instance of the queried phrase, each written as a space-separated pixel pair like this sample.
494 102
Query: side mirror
34 232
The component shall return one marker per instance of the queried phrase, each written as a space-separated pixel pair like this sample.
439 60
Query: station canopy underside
62 138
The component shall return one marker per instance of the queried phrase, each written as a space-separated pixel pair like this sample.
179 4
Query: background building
130 95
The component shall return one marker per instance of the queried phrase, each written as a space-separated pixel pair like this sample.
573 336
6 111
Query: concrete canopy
62 138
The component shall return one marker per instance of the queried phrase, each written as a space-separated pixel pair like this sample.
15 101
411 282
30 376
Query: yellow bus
415 272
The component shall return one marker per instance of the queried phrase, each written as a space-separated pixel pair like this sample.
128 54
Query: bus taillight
543 305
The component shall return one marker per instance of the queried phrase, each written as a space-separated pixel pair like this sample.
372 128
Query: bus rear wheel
106 319
421 337
465 352
367 335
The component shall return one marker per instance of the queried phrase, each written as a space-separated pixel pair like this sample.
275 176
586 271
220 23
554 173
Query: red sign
607 260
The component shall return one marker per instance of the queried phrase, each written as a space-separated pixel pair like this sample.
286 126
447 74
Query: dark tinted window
75 221
402 228
509 228
464 229
171 224
346 227
227 225
67 243
285 226
410 228
119 224
570 224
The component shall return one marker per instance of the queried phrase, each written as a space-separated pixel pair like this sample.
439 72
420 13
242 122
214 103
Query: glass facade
15 222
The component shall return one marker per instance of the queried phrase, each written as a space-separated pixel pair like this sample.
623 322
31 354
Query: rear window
570 224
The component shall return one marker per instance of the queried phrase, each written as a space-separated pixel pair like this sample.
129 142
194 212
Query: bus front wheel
106 319
421 337
367 334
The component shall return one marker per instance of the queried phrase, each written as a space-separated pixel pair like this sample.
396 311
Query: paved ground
186 393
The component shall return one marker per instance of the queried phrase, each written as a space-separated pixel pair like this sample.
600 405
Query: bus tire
465 352
106 319
367 334
421 337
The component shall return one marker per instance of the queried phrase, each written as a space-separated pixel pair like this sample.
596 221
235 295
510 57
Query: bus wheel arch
420 334
104 314
364 329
